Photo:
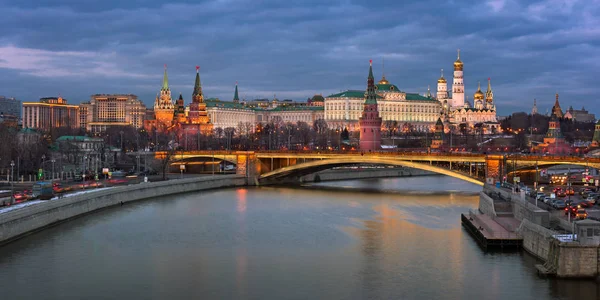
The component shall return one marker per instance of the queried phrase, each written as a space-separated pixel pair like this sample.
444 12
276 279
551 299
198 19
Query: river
395 238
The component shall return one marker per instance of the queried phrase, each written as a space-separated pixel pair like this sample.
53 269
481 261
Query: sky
296 49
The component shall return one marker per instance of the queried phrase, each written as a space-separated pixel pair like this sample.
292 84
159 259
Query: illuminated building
105 110
438 135
49 113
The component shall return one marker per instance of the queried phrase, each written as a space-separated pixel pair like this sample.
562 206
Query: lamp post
12 166
138 162
53 161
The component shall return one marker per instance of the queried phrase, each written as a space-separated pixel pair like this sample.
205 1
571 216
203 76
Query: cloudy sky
295 49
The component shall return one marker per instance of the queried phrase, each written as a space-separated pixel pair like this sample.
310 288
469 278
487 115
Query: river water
366 239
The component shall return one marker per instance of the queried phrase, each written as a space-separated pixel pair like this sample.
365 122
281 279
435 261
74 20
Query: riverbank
563 255
17 223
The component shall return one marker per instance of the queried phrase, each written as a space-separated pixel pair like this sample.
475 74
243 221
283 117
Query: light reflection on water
315 242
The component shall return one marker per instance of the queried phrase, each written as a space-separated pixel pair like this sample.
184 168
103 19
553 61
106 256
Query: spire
236 98
383 67
428 92
165 84
370 95
197 86
180 97
458 55
489 95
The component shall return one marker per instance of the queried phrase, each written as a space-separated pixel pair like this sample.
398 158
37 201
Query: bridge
264 167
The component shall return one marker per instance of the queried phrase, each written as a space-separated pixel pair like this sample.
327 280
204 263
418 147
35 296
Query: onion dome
458 64
479 94
442 79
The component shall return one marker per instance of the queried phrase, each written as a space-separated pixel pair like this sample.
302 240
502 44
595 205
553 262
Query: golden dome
383 80
442 79
458 64
479 94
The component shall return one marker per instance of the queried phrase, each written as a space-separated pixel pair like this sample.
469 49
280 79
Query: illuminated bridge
264 167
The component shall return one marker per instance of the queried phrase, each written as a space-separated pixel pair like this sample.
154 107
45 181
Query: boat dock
492 234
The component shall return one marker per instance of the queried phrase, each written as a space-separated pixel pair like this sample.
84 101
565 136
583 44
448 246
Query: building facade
105 110
10 107
580 115
50 113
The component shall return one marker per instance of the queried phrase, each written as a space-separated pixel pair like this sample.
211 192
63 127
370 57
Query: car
559 204
571 209
561 194
583 204
540 196
581 214
585 190
557 189
548 200
117 181
570 191
591 200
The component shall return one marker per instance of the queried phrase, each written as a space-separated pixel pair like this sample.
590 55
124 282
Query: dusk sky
295 49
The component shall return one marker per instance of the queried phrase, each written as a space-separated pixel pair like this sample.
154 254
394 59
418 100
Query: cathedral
457 110
175 118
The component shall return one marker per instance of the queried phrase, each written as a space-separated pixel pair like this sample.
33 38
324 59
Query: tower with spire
236 97
534 109
596 137
438 135
198 116
442 88
458 87
370 122
556 110
180 110
489 96
163 105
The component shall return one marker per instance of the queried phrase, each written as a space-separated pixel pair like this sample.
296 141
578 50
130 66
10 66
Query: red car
571 209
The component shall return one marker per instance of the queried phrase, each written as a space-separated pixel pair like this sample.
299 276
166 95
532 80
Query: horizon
295 51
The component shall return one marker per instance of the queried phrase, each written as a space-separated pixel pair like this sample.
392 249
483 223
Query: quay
507 220
490 234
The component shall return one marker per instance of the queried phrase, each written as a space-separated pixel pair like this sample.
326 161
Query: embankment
19 222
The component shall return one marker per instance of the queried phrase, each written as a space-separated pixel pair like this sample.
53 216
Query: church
457 110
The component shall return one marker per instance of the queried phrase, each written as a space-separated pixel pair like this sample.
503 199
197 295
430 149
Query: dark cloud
530 49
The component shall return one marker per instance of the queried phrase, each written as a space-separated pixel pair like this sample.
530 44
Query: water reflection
279 243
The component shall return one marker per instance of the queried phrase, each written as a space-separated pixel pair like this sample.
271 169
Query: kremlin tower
163 105
179 115
236 97
438 136
458 87
556 110
370 122
198 116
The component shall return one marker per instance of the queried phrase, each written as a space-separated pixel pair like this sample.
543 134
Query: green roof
294 108
386 87
351 94
417 97
71 138
225 104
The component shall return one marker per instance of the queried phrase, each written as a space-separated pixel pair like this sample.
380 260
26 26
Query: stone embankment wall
575 260
18 222
486 205
536 239
349 174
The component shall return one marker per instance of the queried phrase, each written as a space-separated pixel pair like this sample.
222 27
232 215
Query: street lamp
53 161
12 166
121 132
138 162
43 160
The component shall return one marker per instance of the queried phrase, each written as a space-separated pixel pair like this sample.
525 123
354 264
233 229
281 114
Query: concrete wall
486 205
349 174
523 209
16 223
536 239
577 260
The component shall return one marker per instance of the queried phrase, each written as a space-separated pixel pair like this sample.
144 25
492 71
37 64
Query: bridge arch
319 165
